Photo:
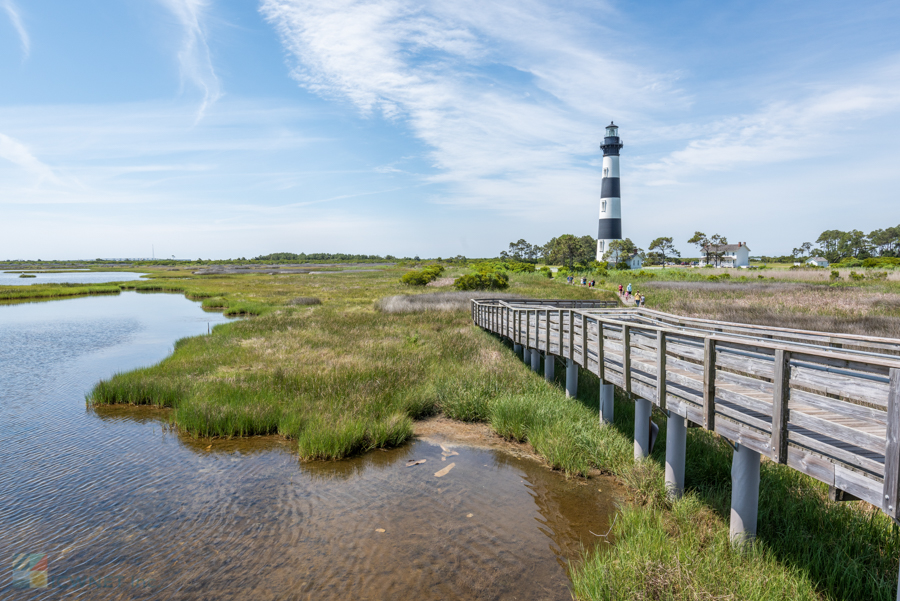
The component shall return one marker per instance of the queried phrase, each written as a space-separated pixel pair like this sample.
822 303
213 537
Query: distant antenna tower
152 251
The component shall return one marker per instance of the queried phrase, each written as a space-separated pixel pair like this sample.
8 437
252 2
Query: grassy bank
351 374
51 291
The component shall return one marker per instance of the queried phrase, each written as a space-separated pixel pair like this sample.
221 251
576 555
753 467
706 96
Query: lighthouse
610 199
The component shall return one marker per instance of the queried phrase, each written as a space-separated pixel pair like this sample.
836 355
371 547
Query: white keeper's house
730 255
818 261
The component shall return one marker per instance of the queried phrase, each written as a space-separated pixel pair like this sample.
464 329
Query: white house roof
818 259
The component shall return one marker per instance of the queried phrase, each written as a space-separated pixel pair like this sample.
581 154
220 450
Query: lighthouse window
600 244
605 171
603 205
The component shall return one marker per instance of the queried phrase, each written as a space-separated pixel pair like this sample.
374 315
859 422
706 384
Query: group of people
584 281
625 292
639 299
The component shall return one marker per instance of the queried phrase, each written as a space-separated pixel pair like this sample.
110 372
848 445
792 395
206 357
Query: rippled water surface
70 277
124 508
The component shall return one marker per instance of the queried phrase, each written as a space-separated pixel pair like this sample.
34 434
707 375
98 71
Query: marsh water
12 278
126 508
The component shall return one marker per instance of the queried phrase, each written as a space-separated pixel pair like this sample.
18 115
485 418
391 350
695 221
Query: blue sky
222 129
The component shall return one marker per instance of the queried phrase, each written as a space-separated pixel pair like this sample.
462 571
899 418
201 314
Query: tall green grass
49 291
341 378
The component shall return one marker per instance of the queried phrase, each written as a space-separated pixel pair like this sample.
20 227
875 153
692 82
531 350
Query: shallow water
126 508
70 277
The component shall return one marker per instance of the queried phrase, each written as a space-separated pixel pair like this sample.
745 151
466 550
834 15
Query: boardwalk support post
571 378
535 360
549 367
676 441
744 494
607 397
517 349
641 428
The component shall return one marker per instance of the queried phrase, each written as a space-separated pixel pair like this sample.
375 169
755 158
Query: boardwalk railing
827 405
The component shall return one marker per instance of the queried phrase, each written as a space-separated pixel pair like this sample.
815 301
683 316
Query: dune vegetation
353 372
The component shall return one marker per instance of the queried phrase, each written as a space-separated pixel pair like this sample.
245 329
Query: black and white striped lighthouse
610 199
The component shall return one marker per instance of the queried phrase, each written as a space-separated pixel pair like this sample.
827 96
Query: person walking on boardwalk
620 289
637 299
627 291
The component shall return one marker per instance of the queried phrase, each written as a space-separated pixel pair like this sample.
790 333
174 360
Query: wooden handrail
831 413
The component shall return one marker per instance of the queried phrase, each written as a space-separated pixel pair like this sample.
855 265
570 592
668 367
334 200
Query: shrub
599 268
546 271
850 262
482 281
878 275
514 266
856 276
422 276
835 275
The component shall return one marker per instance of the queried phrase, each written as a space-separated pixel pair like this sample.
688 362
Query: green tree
522 251
620 251
854 244
828 242
886 241
567 250
718 243
701 241
664 247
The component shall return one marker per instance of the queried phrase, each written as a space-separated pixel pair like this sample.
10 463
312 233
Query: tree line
837 245
570 250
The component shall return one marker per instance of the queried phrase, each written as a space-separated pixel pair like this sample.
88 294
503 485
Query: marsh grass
304 301
808 547
436 301
870 309
51 291
344 377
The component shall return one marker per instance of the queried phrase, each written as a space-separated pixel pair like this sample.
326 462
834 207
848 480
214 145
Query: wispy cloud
13 11
194 56
509 97
17 153
783 131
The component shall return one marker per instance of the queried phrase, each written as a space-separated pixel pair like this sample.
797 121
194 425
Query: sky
224 129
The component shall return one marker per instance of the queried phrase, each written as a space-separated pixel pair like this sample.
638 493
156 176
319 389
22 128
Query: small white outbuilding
818 261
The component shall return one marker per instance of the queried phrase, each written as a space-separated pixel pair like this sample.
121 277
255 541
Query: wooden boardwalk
827 405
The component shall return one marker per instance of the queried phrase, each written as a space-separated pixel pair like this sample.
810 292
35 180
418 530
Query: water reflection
127 508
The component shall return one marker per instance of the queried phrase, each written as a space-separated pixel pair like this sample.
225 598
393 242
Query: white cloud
17 153
13 11
509 97
822 123
194 56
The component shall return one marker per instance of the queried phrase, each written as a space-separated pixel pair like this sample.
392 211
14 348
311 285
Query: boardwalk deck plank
835 400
